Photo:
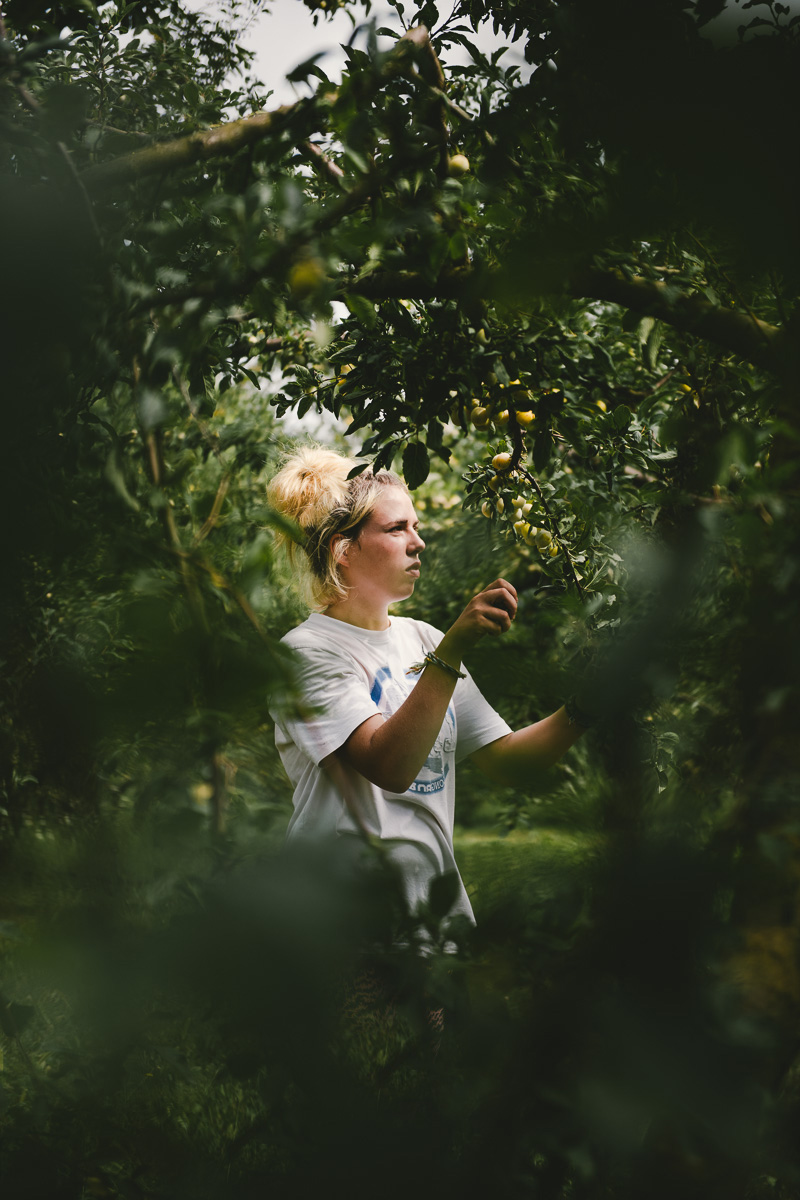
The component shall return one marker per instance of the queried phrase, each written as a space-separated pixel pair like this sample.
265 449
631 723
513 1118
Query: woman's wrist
433 660
451 649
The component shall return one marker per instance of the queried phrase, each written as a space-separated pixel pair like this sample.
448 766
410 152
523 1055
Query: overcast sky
286 35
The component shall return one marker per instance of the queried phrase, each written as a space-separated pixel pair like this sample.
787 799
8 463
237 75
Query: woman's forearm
390 751
511 759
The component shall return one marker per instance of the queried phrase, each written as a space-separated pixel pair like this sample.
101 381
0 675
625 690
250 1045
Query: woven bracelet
433 660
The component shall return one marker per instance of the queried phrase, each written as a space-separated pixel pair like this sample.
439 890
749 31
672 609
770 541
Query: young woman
391 708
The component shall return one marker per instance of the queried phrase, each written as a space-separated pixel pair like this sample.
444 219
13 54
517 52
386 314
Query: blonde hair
313 490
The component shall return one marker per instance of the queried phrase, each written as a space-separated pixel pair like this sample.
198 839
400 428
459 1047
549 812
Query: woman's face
383 564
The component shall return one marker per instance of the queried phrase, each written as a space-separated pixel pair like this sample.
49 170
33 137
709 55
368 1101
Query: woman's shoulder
309 634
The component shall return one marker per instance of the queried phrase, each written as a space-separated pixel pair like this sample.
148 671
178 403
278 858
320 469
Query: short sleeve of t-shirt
338 689
478 723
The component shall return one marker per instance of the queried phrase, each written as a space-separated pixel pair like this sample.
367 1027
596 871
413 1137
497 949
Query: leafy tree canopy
564 299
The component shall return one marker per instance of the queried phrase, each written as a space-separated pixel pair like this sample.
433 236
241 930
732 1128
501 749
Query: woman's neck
356 611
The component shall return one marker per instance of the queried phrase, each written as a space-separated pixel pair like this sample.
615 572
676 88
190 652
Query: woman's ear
339 545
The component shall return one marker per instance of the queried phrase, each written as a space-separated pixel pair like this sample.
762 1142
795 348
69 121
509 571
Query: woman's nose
418 542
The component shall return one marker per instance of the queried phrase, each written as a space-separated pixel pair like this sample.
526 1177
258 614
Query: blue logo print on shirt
436 767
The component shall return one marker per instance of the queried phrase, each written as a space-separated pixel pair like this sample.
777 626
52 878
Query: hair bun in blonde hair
311 482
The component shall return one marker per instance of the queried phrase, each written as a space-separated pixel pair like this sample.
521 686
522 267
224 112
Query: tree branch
741 334
744 335
407 285
323 165
216 509
195 147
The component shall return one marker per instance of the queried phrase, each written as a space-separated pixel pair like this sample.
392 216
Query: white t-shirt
347 675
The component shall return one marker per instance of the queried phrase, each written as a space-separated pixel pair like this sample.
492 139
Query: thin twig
225 585
516 465
660 383
569 566
211 440
323 164
155 462
130 133
450 104
216 509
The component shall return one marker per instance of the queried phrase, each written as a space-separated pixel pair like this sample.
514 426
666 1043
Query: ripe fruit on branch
457 165
543 540
525 418
480 417
501 462
306 276
486 508
521 528
480 336
501 418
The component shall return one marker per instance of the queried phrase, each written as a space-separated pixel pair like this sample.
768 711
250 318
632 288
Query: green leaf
416 464
251 375
116 478
621 417
384 460
362 309
459 246
307 67
285 525
653 344
358 160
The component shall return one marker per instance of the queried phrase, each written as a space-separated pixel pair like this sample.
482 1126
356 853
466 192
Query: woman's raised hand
491 611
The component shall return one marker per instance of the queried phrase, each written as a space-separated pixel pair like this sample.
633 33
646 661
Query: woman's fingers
497 620
495 609
501 595
502 583
490 612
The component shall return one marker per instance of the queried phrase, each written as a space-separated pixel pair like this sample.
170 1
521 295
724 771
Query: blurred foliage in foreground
566 303
182 1022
